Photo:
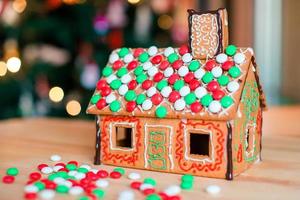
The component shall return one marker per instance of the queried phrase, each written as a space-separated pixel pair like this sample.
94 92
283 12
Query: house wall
167 152
248 117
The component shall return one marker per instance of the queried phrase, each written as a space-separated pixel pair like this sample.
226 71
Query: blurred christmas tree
52 51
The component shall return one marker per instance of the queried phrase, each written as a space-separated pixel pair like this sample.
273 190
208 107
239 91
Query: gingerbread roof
170 83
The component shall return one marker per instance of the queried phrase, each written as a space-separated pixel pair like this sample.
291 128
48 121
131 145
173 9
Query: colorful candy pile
10 175
157 78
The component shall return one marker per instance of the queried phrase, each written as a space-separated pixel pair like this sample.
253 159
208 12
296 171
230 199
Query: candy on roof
160 82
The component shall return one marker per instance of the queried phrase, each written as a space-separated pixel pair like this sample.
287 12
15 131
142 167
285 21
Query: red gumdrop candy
177 64
135 185
130 106
183 49
213 86
218 94
73 162
196 107
35 176
60 164
101 84
156 99
173 78
132 85
156 59
50 185
102 173
148 191
158 77
132 65
227 65
30 195
147 84
164 64
163 196
115 175
105 91
41 166
174 95
210 64
194 84
189 77
137 52
8 179
101 104
117 64
175 197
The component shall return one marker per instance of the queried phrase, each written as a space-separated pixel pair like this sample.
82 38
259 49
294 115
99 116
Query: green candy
186 185
130 95
121 72
234 72
53 176
190 98
84 198
120 170
141 78
62 174
230 50
194 65
12 171
161 84
71 167
62 189
223 80
123 52
99 193
143 57
206 100
139 70
82 170
172 57
95 98
115 106
140 99
178 85
226 101
187 178
161 112
150 181
208 77
107 71
40 185
153 197
115 84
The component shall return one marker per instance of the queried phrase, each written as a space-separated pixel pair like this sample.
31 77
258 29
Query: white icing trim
250 153
170 143
113 124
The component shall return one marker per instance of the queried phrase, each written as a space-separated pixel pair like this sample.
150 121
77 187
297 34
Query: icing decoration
221 58
161 84
230 50
239 58
137 52
179 104
122 71
163 65
214 106
105 91
193 84
147 104
233 86
152 50
158 76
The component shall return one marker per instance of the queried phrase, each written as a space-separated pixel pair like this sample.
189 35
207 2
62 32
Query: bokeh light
13 64
133 1
19 5
56 94
73 107
165 22
3 68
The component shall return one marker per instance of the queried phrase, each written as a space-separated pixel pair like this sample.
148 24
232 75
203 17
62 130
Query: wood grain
24 143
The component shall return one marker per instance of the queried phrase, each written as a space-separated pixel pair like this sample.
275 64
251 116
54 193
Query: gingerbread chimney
208 33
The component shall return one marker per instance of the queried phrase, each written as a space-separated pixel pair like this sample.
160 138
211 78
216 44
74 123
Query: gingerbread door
158 147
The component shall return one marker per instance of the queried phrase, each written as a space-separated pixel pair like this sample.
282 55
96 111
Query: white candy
31 189
47 170
152 71
147 65
72 173
123 89
152 50
172 190
179 104
67 183
239 58
187 57
184 90
126 78
111 78
58 180
110 98
146 186
76 190
47 194
126 195
151 91
80 175
147 104
102 183
214 107
55 158
183 70
168 72
134 176
200 92
113 58
217 71
57 168
199 73
85 166
221 58
128 58
213 189
233 86
168 51
165 92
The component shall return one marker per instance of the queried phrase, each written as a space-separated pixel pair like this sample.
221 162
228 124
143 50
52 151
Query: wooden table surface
24 143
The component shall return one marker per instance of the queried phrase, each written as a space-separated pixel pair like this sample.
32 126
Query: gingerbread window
123 137
200 144
249 139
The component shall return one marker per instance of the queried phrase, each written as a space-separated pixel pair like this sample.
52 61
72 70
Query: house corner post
229 171
97 160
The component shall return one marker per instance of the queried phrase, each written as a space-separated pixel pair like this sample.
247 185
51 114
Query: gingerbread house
195 110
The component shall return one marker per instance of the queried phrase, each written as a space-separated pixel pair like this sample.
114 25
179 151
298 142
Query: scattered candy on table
213 189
